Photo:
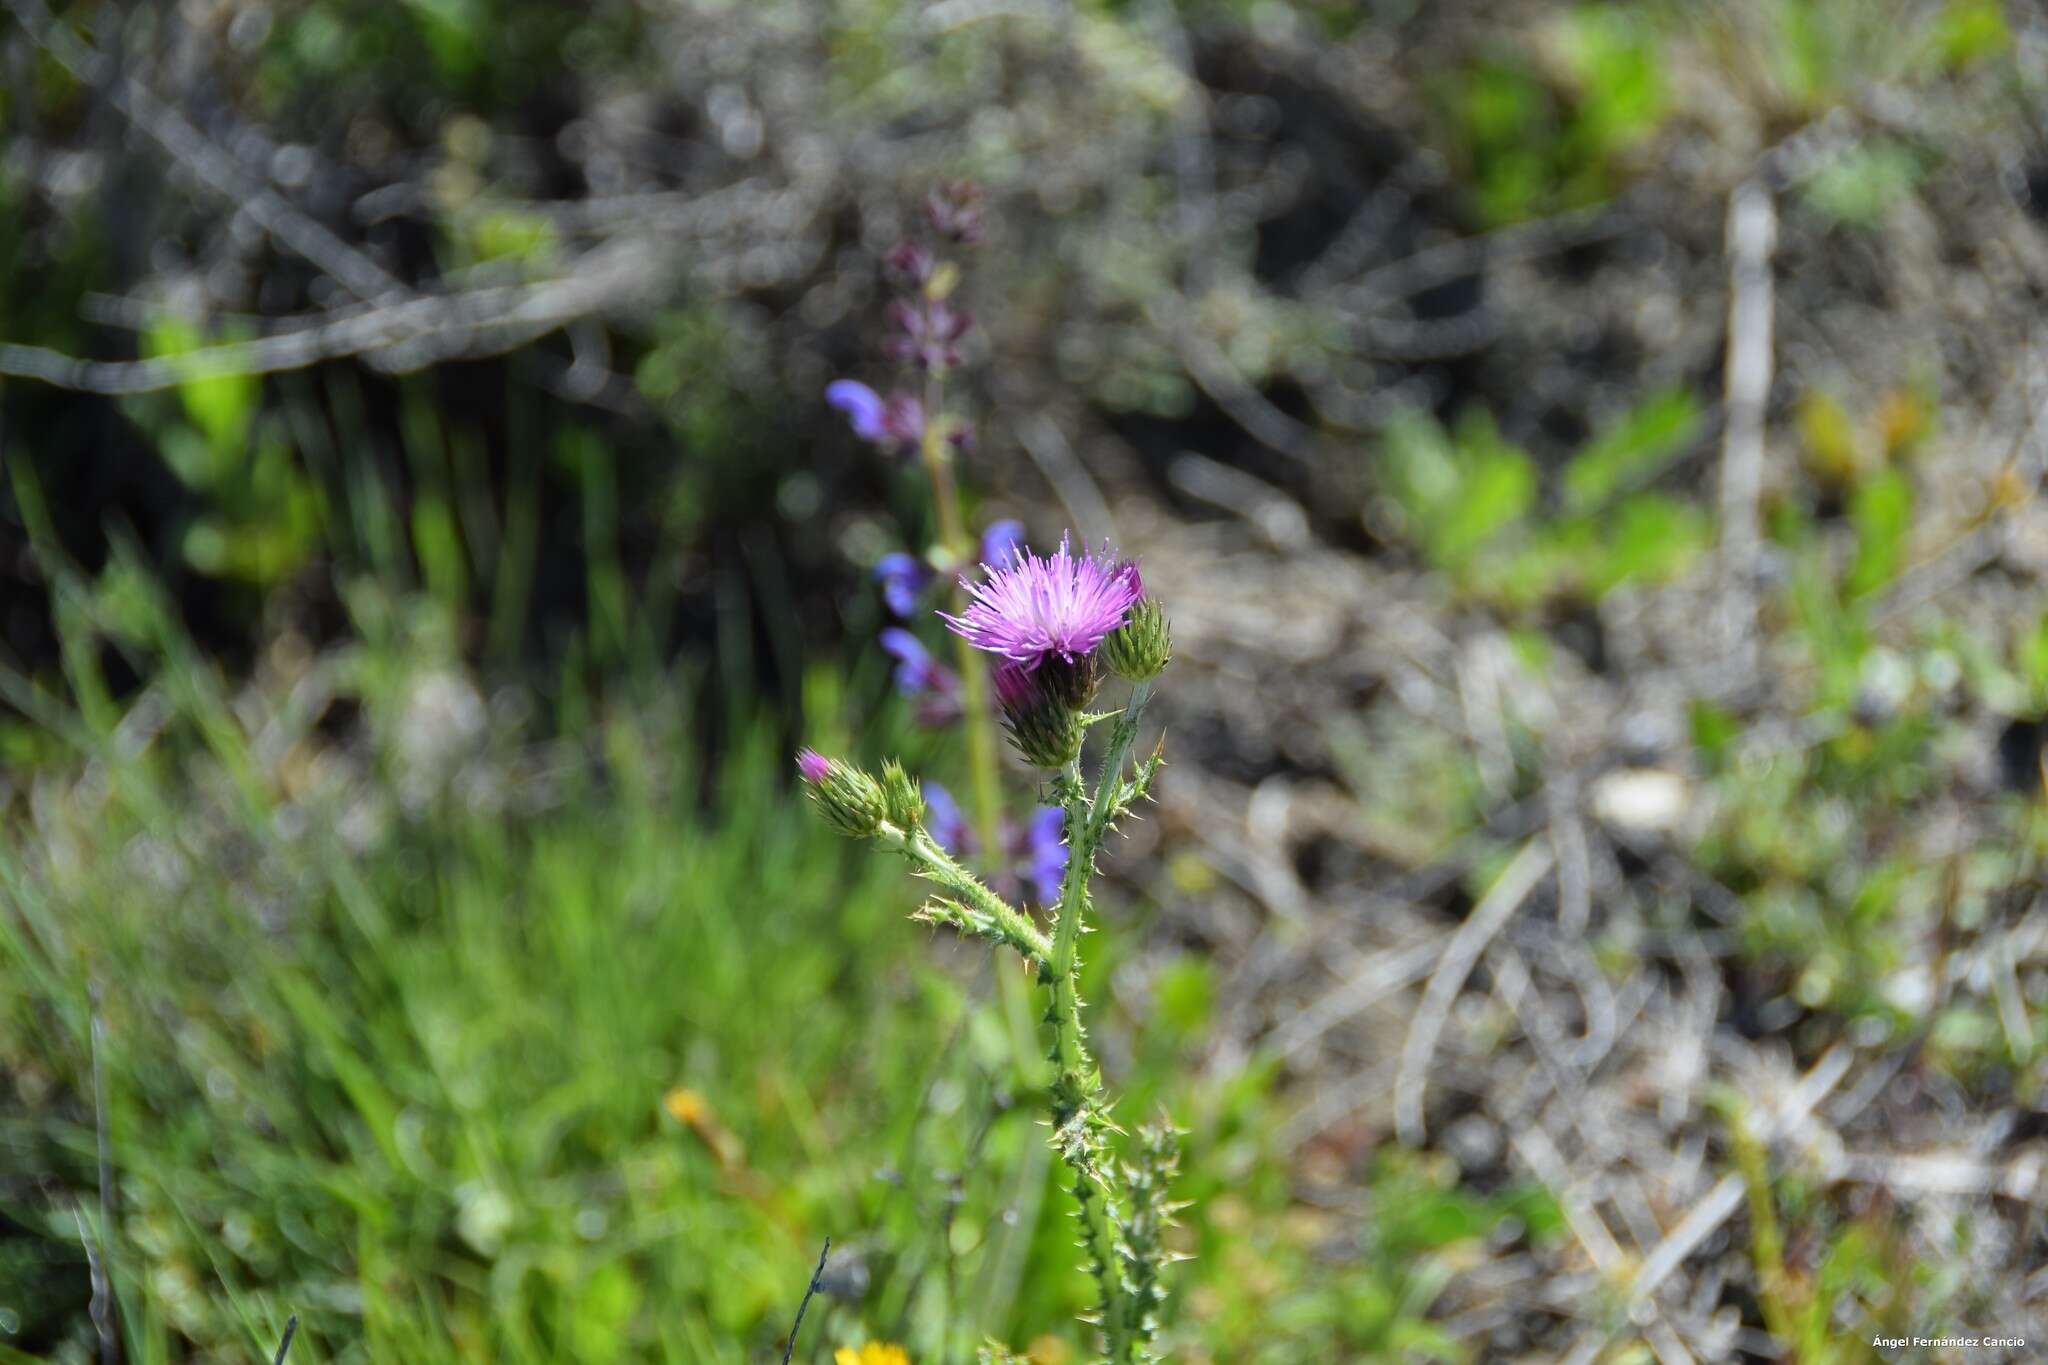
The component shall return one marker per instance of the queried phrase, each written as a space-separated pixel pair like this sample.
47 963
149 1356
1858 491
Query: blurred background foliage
403 918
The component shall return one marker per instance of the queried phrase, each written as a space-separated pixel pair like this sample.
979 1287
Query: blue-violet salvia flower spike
1045 853
863 407
934 687
944 822
999 543
902 421
903 577
891 423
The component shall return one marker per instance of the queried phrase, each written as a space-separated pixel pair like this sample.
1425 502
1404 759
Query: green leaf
502 234
1860 186
1456 495
1633 450
1538 1209
1882 512
1714 732
1184 993
1652 538
603 1310
222 406
1614 59
2033 659
1968 31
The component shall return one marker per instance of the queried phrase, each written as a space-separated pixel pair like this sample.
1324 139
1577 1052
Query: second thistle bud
1139 649
902 798
1041 725
850 800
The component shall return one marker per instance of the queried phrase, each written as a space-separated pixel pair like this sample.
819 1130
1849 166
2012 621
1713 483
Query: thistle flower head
850 800
1043 726
1033 610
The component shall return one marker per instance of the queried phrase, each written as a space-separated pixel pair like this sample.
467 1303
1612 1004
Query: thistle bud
1139 649
850 800
1040 724
902 798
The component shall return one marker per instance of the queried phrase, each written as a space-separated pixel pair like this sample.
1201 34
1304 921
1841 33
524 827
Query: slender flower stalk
926 328
958 545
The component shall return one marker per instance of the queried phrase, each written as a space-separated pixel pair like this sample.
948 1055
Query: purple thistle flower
862 405
812 765
902 577
1000 541
1032 610
1045 853
944 822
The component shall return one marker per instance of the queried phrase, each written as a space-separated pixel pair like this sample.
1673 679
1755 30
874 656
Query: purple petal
943 821
812 765
1034 608
862 405
1001 541
902 577
914 667
1048 855
1128 570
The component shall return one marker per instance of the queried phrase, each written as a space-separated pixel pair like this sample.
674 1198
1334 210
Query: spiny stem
1076 1081
1013 926
1075 1086
1111 773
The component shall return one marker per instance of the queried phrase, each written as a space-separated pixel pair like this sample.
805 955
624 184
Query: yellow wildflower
874 1353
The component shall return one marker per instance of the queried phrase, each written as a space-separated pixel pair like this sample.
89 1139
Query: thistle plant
1055 625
